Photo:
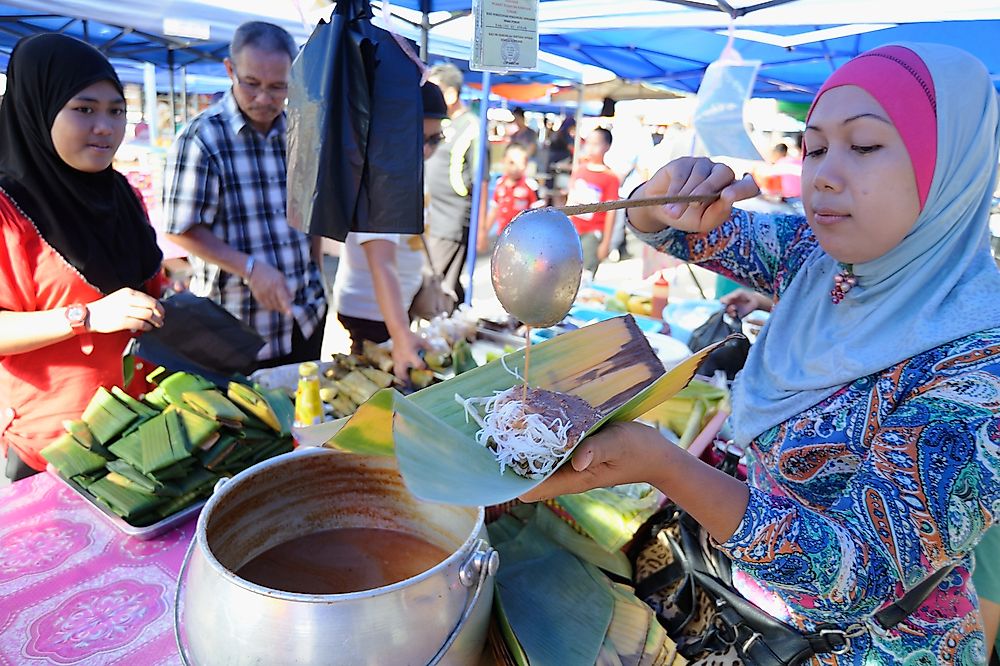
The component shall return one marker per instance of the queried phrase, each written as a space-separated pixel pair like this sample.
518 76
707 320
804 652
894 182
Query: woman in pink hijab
869 407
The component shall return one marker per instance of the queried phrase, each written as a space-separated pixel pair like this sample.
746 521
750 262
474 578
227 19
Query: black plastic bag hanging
355 130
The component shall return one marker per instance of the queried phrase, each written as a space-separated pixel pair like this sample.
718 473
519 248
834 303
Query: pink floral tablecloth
74 590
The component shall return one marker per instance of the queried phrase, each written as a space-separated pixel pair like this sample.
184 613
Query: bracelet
248 269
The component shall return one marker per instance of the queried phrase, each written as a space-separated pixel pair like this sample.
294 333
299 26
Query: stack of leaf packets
148 459
556 604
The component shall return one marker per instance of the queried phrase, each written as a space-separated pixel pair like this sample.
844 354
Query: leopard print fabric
656 555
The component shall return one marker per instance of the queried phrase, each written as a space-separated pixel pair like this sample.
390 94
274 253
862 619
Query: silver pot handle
482 564
177 603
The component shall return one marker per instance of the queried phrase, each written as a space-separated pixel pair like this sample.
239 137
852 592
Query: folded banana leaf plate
609 364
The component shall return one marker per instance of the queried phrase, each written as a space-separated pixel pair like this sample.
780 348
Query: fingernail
582 461
674 210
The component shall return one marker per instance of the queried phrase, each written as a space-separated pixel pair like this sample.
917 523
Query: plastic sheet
355 131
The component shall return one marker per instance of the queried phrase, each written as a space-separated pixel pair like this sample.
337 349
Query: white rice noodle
527 443
514 372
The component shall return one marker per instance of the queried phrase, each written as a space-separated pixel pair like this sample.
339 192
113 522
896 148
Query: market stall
73 565
103 558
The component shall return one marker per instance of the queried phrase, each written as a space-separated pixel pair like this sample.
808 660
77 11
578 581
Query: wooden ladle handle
618 204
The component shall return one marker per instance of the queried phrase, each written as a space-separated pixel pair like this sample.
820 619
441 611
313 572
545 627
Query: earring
843 282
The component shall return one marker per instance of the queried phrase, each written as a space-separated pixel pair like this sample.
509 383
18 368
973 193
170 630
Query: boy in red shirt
514 193
594 182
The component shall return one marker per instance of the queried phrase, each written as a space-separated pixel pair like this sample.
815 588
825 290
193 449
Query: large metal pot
440 615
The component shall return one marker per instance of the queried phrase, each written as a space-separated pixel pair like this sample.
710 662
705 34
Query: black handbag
688 582
731 356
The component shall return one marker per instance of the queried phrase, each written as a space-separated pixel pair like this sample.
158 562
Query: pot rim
201 540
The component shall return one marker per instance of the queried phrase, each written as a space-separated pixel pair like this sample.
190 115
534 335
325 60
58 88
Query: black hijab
94 220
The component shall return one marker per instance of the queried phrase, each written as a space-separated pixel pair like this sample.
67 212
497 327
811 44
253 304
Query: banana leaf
514 647
629 625
557 612
610 516
609 364
583 547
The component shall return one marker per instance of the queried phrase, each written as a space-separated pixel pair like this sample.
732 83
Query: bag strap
890 616
714 573
427 254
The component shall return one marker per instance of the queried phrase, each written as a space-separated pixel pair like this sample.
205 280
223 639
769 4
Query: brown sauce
527 361
342 560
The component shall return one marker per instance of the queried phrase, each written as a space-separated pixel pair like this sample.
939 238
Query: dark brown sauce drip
527 360
341 561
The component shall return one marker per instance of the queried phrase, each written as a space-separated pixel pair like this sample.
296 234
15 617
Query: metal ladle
538 260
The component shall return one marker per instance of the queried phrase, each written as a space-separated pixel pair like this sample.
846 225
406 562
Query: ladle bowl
537 265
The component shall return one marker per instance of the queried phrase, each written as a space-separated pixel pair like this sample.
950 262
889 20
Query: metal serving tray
141 533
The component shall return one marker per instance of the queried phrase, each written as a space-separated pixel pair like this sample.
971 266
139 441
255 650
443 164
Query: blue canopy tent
799 42
677 57
194 34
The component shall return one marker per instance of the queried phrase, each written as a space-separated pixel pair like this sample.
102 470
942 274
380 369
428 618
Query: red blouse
41 388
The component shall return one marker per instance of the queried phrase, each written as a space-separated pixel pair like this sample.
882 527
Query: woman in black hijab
77 248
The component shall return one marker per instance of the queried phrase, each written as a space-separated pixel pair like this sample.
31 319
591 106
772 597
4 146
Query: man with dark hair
448 176
224 202
524 136
593 182
264 36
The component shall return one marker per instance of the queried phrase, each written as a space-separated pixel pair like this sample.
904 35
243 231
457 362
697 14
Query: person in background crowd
631 159
788 168
741 302
448 176
561 143
766 173
524 136
513 193
593 182
79 263
379 274
868 404
224 202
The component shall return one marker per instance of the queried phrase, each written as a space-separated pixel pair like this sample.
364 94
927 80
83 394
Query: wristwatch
77 315
248 269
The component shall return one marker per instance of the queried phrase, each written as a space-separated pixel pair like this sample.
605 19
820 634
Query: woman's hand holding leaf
619 453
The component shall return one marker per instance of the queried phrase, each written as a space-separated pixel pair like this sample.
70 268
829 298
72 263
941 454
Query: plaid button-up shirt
222 173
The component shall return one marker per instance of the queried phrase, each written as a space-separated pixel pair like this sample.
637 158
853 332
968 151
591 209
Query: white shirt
354 289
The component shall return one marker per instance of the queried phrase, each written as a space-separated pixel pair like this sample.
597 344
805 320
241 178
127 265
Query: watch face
77 315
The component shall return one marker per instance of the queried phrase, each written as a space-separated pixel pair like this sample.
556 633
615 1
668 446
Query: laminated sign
718 116
506 35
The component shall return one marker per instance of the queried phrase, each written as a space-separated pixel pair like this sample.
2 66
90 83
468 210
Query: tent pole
478 193
184 95
151 112
425 31
578 139
173 108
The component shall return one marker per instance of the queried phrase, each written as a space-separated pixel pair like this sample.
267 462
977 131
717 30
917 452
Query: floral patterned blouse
862 496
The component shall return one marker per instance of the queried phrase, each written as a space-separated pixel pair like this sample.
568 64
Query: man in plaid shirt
224 203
